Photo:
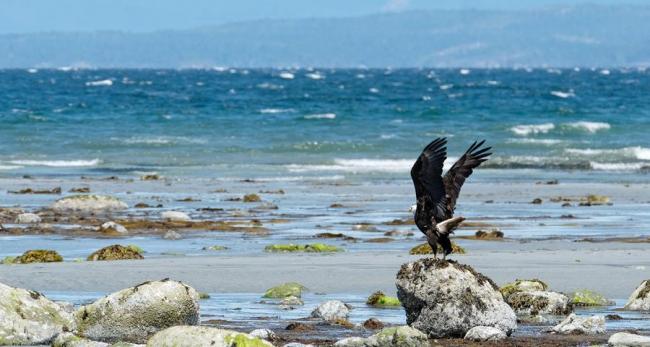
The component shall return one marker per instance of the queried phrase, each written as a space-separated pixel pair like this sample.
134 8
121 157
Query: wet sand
614 269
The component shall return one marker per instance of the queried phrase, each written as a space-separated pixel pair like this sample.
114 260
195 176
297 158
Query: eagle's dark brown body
436 194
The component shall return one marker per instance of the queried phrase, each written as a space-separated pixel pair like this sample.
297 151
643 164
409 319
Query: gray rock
264 334
29 318
640 298
539 302
172 235
580 325
134 314
88 203
28 218
482 334
175 216
112 228
628 340
402 336
292 301
191 336
331 310
71 340
446 299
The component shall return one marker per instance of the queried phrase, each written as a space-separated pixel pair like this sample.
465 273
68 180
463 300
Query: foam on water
618 166
321 116
101 83
57 163
365 165
529 129
547 142
563 95
590 127
637 152
276 110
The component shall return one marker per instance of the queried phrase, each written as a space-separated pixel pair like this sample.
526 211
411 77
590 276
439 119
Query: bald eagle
436 194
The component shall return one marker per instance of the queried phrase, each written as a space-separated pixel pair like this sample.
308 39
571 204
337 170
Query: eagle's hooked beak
413 208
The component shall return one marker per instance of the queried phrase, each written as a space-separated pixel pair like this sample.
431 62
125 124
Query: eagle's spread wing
463 168
427 177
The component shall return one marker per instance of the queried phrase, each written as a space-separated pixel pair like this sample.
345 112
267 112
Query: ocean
576 124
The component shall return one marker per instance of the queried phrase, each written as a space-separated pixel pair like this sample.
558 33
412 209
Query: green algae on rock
251 198
285 290
8 260
190 336
38 256
584 297
378 298
29 318
523 286
426 249
115 252
309 248
215 248
134 314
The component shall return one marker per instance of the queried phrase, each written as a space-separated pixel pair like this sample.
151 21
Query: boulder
580 325
29 318
38 256
523 286
482 334
292 301
88 203
373 324
445 299
115 252
264 334
71 340
628 340
640 298
331 310
401 336
380 299
539 302
310 248
113 228
134 314
172 235
285 290
175 216
586 297
191 336
28 218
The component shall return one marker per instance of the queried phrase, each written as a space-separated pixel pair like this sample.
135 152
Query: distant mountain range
558 37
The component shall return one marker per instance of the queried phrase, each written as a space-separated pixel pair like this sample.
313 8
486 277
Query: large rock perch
134 314
446 299
29 318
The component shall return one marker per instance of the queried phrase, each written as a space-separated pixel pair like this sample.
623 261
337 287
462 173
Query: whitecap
219 68
563 95
446 86
159 140
10 167
616 166
524 130
604 72
286 75
270 86
637 152
32 70
101 83
373 90
590 127
493 83
57 163
536 141
276 110
315 76
363 166
321 116
464 71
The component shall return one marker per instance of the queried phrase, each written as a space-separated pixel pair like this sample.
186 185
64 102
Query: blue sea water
301 123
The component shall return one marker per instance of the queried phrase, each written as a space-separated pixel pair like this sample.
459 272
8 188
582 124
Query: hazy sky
20 16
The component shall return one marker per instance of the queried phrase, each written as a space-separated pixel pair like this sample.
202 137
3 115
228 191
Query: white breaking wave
277 110
158 140
321 116
637 152
563 95
10 167
464 71
364 165
536 141
446 86
315 76
524 130
106 83
286 75
591 127
57 163
617 166
32 70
